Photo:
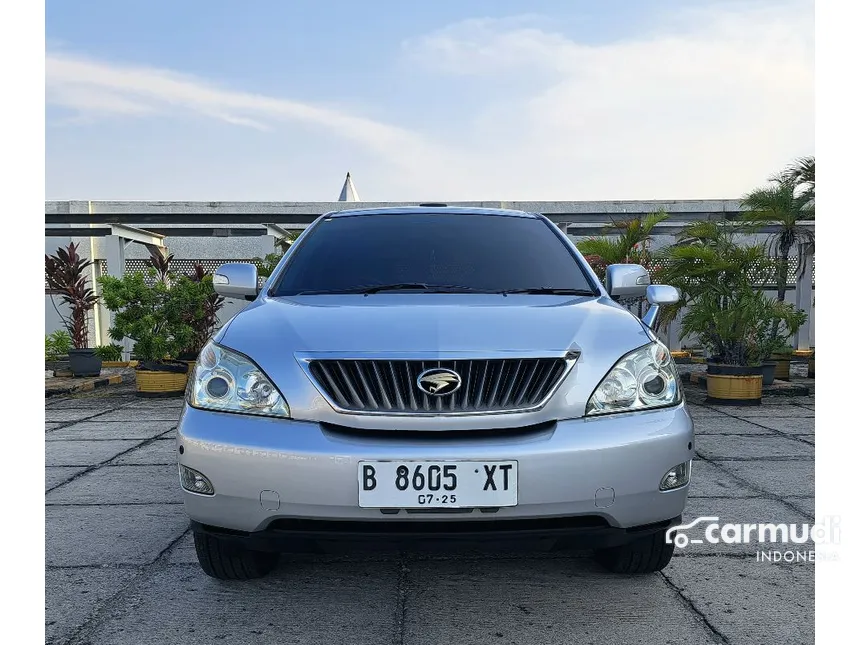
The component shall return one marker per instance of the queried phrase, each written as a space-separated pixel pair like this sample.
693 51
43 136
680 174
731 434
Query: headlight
644 378
230 382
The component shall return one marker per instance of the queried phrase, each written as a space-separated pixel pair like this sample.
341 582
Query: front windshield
473 253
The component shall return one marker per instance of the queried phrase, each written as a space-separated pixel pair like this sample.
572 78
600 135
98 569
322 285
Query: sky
455 100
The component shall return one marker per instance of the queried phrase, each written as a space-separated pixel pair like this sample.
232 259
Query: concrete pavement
121 565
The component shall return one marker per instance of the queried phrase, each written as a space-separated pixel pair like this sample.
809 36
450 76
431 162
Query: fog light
677 476
195 482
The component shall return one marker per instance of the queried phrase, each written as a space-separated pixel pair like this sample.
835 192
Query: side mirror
662 294
627 280
236 281
658 294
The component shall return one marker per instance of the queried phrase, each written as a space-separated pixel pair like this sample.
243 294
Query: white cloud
96 101
707 106
707 103
488 46
93 87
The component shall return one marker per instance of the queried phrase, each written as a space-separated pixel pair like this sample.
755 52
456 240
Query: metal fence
180 267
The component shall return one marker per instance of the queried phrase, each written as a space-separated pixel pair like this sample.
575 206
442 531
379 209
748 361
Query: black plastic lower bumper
291 535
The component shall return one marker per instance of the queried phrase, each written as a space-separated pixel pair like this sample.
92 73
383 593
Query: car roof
430 209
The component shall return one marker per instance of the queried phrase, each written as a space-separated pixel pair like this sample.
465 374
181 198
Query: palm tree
802 174
784 205
707 261
630 245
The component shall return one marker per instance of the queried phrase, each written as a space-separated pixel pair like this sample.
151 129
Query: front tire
229 561
644 555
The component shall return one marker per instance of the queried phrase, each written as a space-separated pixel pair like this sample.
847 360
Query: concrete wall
52 318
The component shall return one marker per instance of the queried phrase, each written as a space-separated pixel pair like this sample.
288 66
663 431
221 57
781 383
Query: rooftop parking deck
121 566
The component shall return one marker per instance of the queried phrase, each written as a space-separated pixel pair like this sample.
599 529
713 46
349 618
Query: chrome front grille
390 386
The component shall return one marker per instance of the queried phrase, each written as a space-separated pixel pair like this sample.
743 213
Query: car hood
273 331
431 322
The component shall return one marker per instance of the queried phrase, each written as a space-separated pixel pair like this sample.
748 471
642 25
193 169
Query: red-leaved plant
598 264
204 326
65 273
161 264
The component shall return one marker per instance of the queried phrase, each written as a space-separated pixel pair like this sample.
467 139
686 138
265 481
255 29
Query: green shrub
741 328
266 265
155 317
735 321
708 261
109 352
57 344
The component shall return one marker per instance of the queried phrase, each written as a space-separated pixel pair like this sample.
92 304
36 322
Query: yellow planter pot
741 390
160 383
782 371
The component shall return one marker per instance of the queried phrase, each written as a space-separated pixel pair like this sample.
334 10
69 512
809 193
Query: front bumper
297 535
271 469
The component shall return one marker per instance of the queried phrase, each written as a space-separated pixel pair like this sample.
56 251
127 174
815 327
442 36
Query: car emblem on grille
439 381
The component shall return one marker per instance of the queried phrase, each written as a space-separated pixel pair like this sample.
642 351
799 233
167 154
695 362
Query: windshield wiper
555 291
397 286
424 287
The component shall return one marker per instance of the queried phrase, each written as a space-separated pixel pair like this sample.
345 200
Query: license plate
437 484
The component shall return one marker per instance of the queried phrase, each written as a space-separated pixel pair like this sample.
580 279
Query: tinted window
481 252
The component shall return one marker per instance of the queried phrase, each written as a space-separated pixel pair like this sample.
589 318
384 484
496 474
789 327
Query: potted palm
737 330
736 324
784 322
65 274
155 317
727 327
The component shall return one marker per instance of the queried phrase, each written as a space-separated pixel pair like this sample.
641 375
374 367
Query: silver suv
434 373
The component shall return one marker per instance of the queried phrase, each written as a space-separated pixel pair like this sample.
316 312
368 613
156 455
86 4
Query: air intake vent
392 386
